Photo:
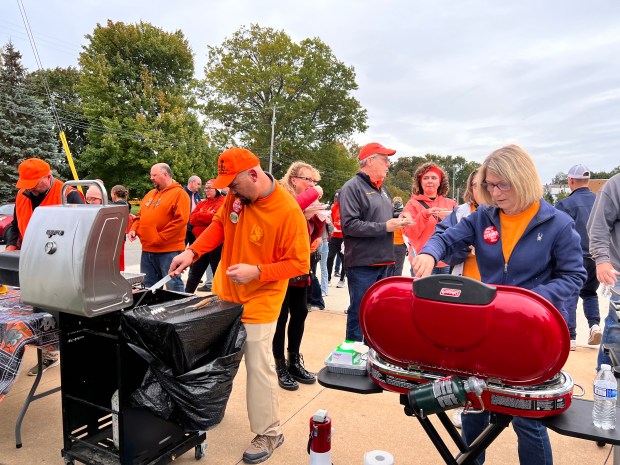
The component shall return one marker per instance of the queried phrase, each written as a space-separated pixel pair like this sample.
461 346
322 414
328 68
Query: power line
38 60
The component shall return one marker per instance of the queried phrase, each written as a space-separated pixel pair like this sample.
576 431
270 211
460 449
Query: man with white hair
161 225
368 227
194 183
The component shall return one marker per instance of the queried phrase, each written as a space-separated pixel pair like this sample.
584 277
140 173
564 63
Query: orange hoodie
270 232
162 220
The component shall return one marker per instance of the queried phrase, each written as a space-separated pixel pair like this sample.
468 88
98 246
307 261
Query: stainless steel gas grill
118 341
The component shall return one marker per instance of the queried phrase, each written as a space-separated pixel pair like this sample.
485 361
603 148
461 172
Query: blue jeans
360 279
155 266
532 438
590 300
611 333
324 278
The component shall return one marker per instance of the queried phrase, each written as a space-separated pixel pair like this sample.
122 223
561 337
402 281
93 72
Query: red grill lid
460 326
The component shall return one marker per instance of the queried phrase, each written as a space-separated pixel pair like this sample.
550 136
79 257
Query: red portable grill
422 330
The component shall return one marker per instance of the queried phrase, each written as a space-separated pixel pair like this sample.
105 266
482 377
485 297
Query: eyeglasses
502 186
93 200
310 180
384 158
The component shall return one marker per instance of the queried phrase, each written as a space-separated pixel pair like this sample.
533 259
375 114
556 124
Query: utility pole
273 128
454 183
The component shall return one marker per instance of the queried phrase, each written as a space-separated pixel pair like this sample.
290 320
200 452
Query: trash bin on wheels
112 358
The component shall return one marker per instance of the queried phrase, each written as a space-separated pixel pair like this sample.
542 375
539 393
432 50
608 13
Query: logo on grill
450 292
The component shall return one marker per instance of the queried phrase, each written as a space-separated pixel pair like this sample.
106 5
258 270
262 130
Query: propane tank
443 394
320 440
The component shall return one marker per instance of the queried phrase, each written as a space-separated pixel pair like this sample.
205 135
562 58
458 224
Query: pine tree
26 128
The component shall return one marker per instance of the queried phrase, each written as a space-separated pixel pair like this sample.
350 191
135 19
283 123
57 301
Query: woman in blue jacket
520 240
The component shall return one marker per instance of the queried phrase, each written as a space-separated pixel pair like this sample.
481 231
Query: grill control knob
50 247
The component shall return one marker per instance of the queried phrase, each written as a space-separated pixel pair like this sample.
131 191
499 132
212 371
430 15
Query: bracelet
259 271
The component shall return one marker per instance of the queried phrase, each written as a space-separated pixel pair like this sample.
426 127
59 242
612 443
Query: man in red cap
37 186
265 243
367 226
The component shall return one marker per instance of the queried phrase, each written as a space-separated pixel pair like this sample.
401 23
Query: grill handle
85 182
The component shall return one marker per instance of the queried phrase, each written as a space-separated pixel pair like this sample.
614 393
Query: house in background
562 190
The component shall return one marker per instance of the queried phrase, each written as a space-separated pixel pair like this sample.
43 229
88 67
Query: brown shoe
261 448
596 335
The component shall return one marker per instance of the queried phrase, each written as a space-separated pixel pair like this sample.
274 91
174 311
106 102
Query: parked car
6 217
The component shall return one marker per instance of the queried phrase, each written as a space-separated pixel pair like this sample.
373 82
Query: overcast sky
452 78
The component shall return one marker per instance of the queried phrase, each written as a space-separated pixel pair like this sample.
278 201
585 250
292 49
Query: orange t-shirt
398 237
513 227
256 235
470 265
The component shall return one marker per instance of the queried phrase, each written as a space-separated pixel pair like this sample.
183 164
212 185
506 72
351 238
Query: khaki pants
262 382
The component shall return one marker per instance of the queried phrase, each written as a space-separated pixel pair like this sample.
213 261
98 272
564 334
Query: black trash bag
196 400
181 338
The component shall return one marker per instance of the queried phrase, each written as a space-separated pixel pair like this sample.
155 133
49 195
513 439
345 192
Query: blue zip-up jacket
547 258
578 205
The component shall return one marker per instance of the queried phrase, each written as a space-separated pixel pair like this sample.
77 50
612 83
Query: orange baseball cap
374 148
30 171
232 162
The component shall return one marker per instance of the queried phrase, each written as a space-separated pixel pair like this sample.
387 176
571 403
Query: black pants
315 295
189 237
295 305
199 267
400 252
334 246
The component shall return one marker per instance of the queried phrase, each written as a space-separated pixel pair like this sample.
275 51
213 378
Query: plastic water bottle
605 395
606 291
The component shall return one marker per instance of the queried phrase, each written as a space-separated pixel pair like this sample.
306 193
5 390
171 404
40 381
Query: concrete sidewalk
361 422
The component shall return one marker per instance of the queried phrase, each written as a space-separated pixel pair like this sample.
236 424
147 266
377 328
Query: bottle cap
605 366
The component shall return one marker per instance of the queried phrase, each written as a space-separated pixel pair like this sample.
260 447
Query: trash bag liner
179 336
195 399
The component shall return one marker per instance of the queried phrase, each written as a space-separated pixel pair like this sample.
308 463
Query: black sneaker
47 364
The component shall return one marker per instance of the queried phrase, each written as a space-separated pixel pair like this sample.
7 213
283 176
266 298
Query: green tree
26 128
258 69
549 198
560 178
137 89
605 174
62 84
561 196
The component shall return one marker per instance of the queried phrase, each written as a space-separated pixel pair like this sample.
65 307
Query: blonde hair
468 196
293 171
514 165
